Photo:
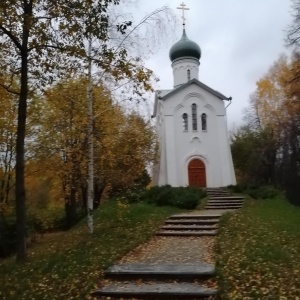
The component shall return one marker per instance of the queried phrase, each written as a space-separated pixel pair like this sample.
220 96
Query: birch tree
40 40
43 40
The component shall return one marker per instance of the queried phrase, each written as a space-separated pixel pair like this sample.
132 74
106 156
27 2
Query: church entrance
197 174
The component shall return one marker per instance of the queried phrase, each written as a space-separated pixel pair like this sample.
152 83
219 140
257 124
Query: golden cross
183 7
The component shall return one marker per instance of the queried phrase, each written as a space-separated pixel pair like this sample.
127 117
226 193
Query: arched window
185 122
188 75
194 116
204 121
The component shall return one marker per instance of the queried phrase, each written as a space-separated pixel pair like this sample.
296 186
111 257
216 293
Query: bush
262 192
7 235
255 191
239 188
134 195
37 221
45 220
181 197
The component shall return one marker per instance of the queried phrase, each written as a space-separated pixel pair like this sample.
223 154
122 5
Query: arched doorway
197 174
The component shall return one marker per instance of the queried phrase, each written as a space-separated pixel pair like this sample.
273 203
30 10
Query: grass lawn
258 252
69 265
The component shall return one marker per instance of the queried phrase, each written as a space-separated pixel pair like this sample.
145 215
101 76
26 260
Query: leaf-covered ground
258 252
69 265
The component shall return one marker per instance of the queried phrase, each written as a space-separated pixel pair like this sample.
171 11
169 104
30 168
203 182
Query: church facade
191 121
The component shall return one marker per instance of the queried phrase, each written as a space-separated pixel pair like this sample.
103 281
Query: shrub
262 192
134 195
239 188
7 235
37 221
45 220
255 191
181 197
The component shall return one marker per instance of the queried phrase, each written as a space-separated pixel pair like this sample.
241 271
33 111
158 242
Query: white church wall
185 145
228 176
162 170
171 157
180 69
178 147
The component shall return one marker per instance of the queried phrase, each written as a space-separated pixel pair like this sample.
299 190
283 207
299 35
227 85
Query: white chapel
191 121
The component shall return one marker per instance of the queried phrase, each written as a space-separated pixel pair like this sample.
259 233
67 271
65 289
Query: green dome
185 47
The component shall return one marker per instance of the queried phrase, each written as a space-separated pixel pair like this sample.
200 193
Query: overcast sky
239 40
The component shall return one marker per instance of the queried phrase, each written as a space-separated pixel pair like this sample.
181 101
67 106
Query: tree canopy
267 150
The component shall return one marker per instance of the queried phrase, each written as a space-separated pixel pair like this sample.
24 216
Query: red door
197 175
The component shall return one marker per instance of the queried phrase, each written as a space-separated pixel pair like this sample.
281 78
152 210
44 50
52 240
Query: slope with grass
258 251
68 265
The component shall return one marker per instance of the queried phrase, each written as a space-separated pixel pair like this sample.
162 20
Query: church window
188 75
194 116
185 122
204 121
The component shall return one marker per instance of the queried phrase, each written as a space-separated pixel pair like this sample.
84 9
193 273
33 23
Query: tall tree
41 41
7 142
275 109
293 33
123 143
36 37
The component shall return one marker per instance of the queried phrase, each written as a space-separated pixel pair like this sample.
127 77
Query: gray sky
239 39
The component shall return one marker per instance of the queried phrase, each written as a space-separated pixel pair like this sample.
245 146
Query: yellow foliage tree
276 106
123 143
7 142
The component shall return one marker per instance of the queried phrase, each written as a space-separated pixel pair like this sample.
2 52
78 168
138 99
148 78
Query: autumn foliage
257 252
267 149
56 157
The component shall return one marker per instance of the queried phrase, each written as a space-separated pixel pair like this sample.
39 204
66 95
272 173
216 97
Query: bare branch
11 36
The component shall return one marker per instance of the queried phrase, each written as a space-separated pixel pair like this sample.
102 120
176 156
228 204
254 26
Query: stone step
159 272
218 195
222 207
157 290
189 227
196 216
192 222
228 198
187 233
224 203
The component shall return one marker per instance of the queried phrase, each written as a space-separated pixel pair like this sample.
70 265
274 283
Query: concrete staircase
173 281
190 225
219 199
142 281
204 223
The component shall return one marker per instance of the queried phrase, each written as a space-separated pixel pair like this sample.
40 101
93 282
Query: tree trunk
20 143
90 196
70 208
20 185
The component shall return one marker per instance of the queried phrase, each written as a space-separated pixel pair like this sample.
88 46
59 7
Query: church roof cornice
201 85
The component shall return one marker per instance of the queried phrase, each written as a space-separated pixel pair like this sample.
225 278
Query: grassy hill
258 251
68 265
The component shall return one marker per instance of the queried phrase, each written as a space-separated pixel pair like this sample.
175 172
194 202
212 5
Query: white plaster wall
228 176
179 147
180 68
162 169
